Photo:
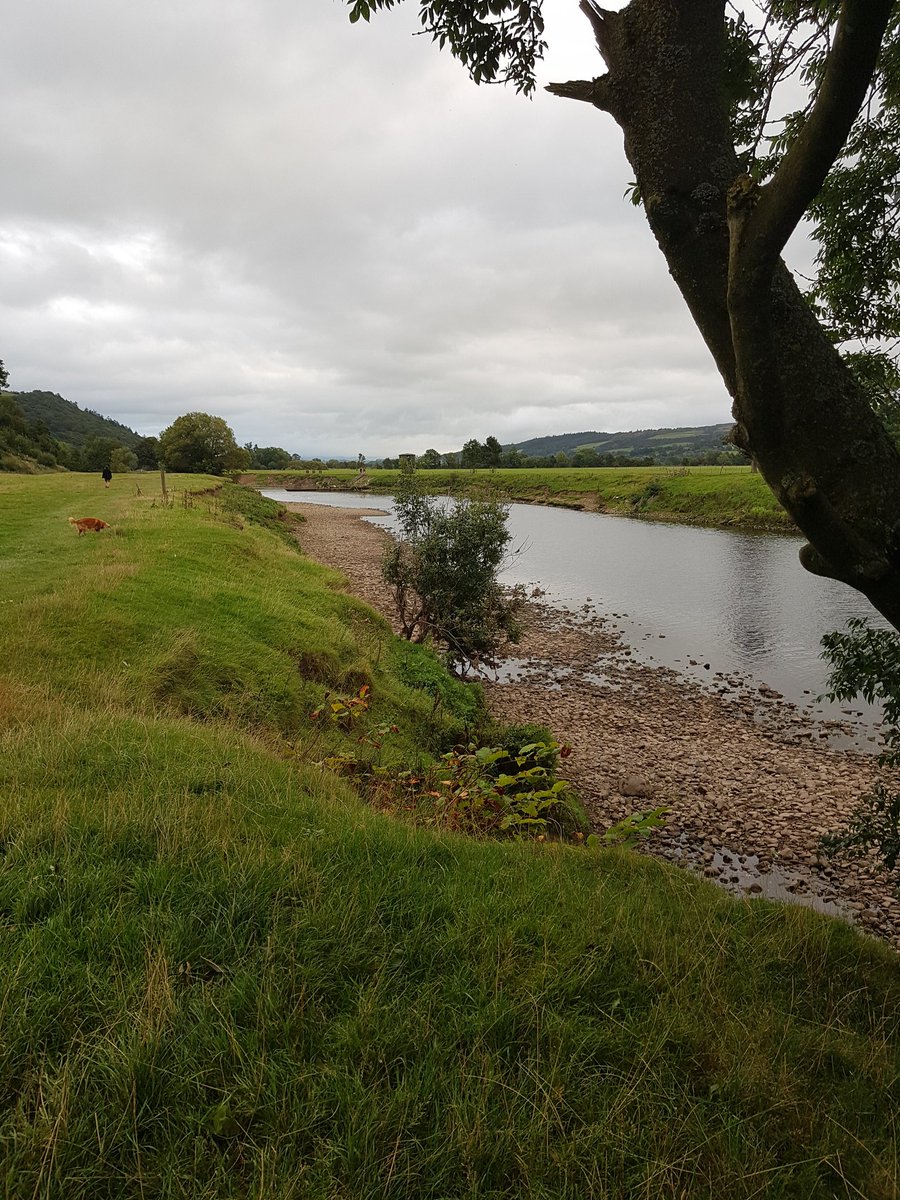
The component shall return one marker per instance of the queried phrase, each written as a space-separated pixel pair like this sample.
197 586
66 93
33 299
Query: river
701 601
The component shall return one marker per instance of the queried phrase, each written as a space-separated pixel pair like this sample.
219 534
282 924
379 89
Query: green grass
223 976
721 496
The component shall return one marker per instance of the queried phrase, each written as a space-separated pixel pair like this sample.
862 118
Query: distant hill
662 444
69 423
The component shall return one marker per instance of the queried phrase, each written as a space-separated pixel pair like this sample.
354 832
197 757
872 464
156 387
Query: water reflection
750 620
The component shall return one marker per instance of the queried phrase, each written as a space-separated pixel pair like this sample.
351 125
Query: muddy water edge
750 785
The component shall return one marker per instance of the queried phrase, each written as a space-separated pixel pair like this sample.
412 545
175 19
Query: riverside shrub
443 571
866 662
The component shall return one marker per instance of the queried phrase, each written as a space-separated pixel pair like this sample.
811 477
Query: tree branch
780 204
600 21
593 91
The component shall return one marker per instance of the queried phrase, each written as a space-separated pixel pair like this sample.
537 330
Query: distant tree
472 454
147 453
68 456
97 452
267 458
585 456
4 376
561 459
443 570
493 452
201 443
512 458
122 459
429 460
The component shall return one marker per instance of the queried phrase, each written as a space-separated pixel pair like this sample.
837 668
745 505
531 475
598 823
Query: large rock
636 785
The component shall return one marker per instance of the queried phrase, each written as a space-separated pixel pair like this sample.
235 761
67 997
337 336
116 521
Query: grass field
722 496
224 976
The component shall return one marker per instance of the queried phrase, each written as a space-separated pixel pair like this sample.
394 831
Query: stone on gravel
636 785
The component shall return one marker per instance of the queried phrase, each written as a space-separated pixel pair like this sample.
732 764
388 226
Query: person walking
107 476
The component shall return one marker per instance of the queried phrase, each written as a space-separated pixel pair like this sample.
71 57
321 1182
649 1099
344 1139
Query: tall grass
223 976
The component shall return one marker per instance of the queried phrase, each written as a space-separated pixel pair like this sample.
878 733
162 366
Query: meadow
224 975
727 497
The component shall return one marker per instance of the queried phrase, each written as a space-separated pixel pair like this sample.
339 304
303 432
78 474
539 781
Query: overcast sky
324 232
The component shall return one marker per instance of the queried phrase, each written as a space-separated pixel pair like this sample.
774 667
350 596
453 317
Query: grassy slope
223 977
726 496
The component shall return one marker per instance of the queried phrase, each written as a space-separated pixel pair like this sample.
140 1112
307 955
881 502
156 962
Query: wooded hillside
664 445
69 423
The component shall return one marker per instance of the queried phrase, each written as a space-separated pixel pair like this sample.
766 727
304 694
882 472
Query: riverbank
226 974
750 784
719 497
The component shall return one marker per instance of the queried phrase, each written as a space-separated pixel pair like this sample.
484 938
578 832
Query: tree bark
817 441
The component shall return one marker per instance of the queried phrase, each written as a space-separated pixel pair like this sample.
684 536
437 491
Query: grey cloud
324 233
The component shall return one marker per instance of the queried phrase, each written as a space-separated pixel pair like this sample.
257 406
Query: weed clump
485 790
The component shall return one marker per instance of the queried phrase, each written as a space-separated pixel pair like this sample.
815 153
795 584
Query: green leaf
219 1121
490 754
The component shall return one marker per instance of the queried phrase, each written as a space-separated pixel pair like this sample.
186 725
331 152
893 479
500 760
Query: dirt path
748 783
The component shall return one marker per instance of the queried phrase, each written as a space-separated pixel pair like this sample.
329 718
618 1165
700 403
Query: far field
731 497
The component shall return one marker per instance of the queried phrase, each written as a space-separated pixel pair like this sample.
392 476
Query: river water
700 601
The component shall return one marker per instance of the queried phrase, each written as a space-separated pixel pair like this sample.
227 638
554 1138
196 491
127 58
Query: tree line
490 454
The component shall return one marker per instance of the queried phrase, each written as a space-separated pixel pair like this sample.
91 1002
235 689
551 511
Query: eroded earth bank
750 786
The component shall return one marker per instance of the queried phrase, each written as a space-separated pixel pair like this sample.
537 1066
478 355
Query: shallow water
698 600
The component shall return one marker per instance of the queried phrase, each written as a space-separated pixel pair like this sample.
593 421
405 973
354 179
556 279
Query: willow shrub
443 570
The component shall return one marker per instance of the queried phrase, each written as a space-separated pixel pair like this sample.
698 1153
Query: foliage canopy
498 41
202 443
865 661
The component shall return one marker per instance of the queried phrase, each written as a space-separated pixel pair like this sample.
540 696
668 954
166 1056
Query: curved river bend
739 602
